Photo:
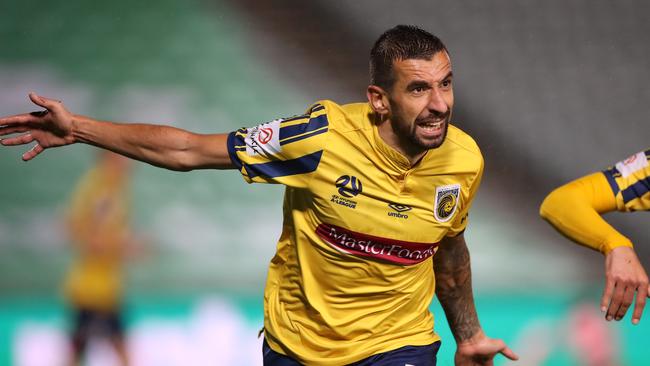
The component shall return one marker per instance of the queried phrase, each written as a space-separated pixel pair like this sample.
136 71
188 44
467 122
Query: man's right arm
162 146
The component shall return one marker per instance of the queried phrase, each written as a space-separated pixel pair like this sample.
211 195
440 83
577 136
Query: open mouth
432 128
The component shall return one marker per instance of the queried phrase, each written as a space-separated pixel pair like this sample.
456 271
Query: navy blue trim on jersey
647 154
609 174
233 141
311 125
302 137
281 168
295 118
636 190
316 108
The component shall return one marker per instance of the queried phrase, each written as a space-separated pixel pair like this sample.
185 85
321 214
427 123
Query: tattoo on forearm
454 289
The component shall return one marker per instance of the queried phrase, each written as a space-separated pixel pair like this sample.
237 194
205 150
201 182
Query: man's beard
406 131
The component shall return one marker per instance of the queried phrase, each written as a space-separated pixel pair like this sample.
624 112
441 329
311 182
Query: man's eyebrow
425 84
418 84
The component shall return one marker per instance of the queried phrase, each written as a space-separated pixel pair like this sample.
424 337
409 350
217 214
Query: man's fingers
505 350
21 140
13 129
18 140
38 100
607 295
628 298
640 304
615 303
46 103
15 120
31 154
509 354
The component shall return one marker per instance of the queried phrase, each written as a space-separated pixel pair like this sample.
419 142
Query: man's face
421 101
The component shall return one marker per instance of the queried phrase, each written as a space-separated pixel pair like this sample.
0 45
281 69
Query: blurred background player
575 210
98 225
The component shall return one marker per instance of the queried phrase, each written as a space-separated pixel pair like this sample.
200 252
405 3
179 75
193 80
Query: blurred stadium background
550 90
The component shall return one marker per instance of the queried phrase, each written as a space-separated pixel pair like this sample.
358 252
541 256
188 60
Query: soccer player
98 226
575 208
373 191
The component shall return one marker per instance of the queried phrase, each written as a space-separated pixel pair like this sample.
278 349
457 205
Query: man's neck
405 147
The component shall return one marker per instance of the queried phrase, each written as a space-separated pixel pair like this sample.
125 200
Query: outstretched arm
162 146
454 291
574 210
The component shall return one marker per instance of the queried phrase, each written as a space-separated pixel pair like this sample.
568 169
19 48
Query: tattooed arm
454 291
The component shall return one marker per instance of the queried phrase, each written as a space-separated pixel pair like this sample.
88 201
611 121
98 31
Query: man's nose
437 102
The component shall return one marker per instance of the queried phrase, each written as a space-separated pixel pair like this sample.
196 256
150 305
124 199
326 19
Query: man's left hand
480 351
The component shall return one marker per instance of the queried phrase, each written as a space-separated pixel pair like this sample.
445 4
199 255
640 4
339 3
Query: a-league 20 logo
349 186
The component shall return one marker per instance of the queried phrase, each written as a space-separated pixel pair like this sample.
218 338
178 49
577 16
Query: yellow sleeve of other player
284 151
574 209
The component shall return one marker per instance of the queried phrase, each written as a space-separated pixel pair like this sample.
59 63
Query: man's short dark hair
402 42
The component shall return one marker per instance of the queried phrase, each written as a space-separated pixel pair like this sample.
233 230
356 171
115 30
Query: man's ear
378 99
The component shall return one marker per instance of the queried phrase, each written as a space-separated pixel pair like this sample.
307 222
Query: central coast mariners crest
446 202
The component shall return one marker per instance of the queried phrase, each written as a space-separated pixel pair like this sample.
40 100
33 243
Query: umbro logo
399 207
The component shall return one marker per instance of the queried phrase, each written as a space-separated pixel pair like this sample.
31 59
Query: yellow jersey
353 272
98 225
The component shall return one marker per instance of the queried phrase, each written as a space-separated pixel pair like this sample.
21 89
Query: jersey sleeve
574 210
467 197
285 151
629 181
